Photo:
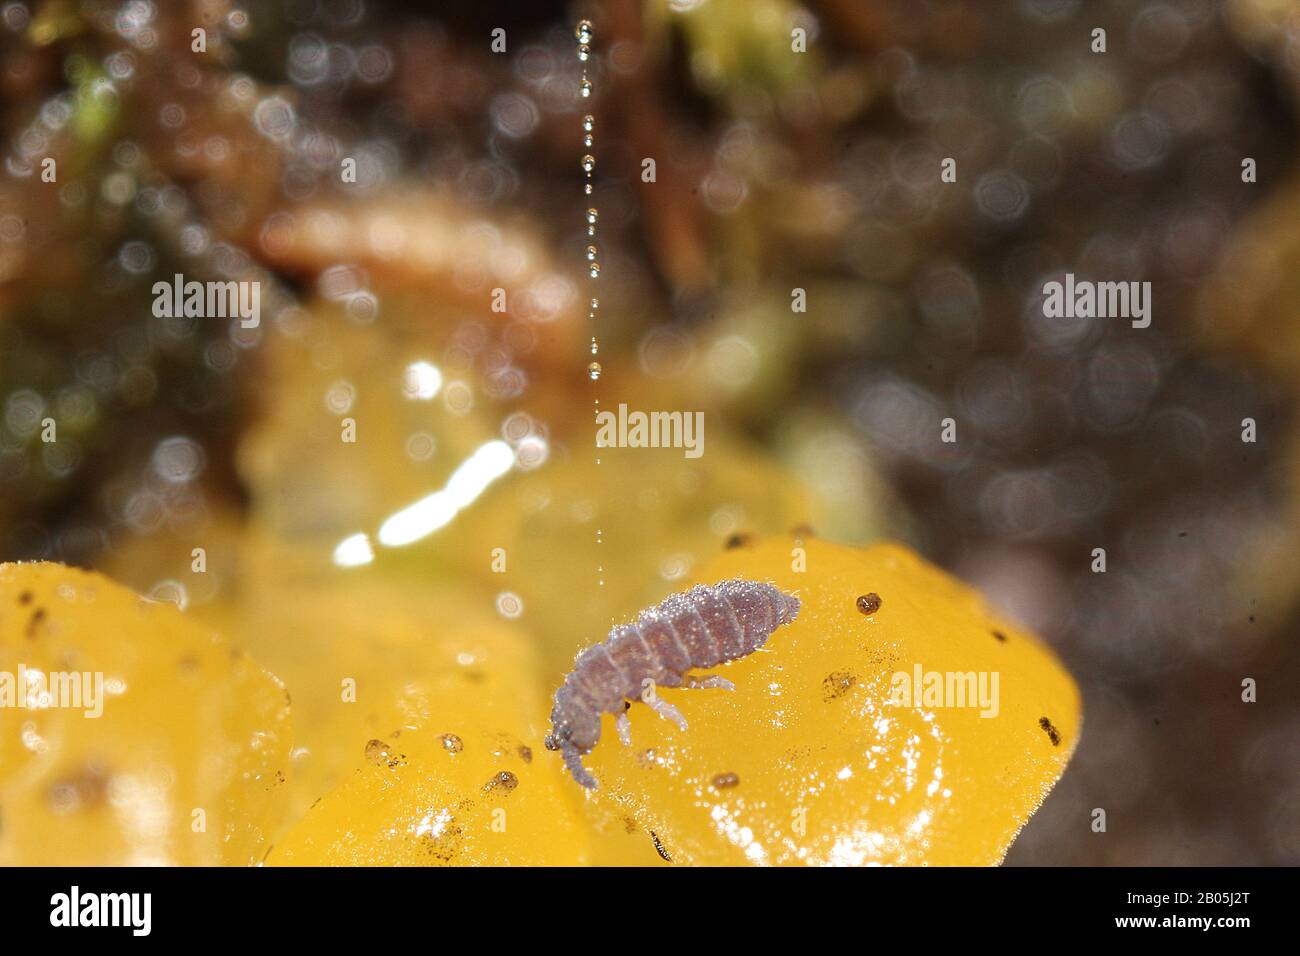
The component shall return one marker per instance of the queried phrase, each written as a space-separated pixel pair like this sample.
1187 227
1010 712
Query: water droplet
379 752
585 88
587 189
593 371
588 163
595 269
584 52
595 349
587 141
452 744
591 253
592 216
583 31
589 122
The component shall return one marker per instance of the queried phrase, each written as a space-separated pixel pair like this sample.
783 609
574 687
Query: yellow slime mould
442 739
897 721
446 788
129 733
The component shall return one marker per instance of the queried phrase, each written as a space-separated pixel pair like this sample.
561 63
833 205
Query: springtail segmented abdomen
705 626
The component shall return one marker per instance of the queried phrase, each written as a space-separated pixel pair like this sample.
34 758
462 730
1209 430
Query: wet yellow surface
809 762
423 715
440 754
166 745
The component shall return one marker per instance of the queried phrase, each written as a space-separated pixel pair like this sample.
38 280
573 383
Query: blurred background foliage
775 171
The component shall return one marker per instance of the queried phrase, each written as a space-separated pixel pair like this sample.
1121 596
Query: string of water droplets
583 34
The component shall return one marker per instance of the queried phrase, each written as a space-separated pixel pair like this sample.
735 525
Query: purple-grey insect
707 625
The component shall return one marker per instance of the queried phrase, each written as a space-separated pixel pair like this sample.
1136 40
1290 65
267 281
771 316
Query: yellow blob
187 760
809 762
383 671
447 793
453 772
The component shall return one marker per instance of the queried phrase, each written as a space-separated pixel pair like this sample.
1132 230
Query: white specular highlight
488 463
